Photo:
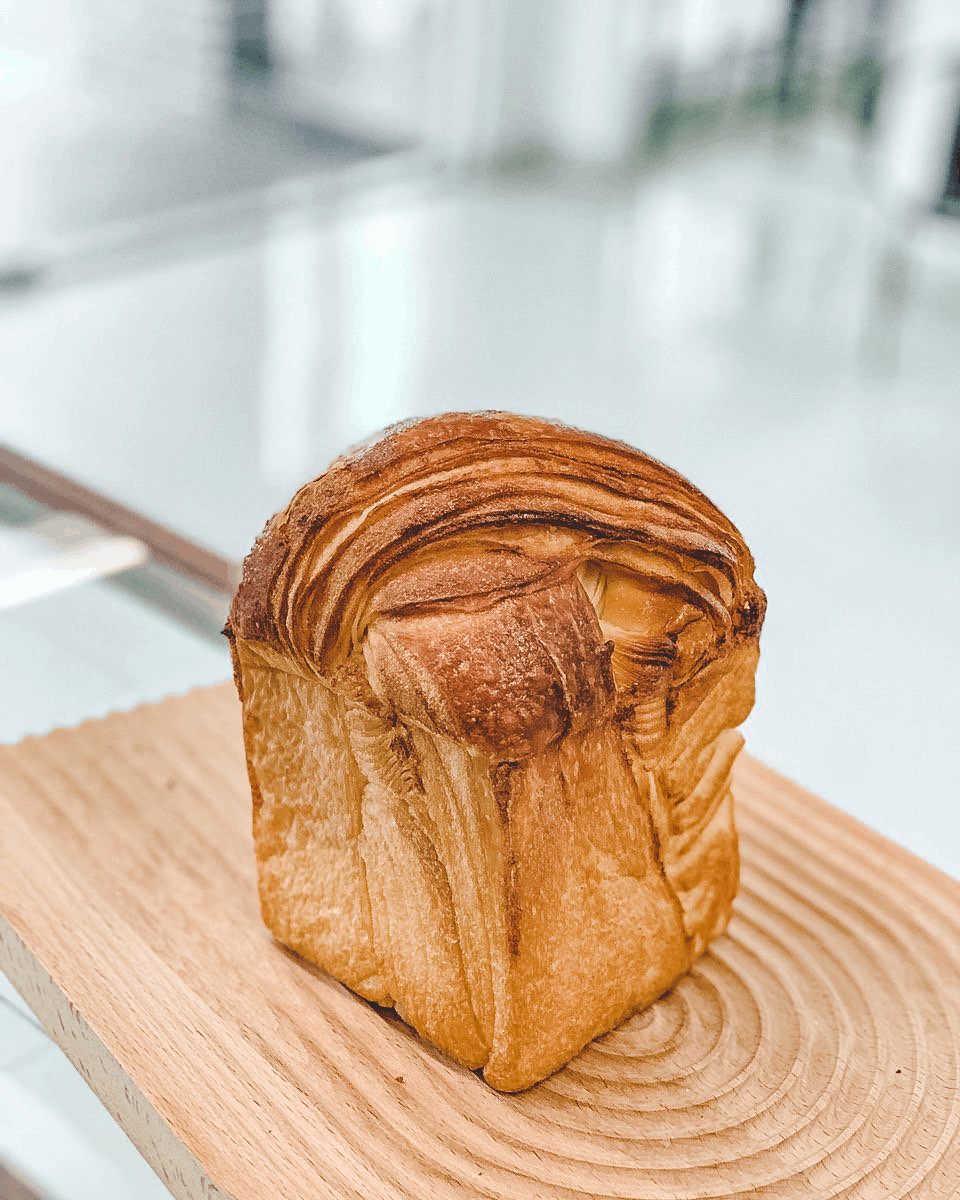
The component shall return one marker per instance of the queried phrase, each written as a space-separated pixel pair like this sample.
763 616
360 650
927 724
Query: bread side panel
307 823
418 938
595 931
687 782
469 839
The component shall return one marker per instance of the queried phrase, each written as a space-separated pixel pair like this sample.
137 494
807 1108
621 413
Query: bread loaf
491 671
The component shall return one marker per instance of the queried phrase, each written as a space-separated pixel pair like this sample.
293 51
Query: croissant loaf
491 671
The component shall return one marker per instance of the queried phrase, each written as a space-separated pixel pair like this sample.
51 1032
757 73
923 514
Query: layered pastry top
464 520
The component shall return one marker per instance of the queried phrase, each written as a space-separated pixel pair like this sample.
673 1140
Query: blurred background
237 236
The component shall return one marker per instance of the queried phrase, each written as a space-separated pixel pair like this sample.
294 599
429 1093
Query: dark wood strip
57 492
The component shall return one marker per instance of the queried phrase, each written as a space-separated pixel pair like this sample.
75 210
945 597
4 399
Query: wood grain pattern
814 1052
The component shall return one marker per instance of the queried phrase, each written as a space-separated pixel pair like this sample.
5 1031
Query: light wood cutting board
814 1052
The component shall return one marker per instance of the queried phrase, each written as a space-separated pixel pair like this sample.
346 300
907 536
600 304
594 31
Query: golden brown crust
508 680
491 669
307 582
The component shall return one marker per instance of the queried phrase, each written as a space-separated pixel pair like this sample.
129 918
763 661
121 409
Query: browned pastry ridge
491 669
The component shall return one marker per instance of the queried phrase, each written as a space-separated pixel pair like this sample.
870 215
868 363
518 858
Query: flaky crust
491 669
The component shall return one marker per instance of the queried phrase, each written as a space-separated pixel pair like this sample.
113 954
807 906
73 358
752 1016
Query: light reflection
381 25
302 351
692 261
60 552
383 302
381 237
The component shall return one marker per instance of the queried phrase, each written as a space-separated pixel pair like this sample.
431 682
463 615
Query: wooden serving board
814 1052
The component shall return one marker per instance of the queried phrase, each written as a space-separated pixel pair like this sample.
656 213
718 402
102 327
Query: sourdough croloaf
491 671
